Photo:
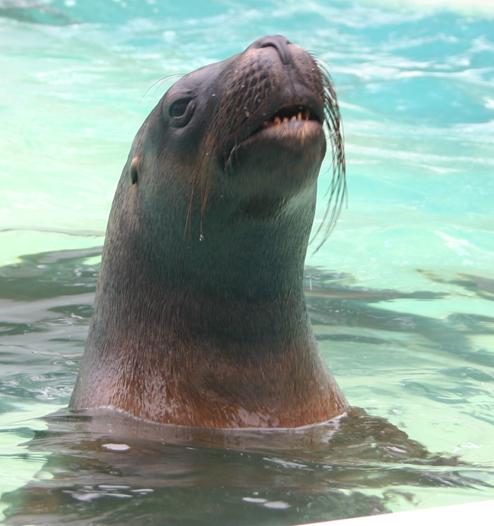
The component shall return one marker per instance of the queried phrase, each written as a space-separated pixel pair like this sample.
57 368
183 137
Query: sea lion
200 318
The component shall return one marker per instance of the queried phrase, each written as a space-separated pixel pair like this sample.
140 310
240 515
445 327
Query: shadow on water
350 307
481 286
111 469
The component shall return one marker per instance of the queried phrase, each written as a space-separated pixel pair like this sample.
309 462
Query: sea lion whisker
160 81
188 215
337 189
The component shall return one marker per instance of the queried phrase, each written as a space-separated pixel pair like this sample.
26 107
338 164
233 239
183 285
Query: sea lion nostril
278 42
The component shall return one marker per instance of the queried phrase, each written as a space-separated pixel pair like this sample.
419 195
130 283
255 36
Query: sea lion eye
180 111
178 108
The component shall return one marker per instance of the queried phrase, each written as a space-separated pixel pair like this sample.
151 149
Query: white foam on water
116 447
467 7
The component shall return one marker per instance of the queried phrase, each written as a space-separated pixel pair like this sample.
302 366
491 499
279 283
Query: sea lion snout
274 76
278 42
274 94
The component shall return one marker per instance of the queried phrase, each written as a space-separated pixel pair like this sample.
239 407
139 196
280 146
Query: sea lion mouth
293 125
289 114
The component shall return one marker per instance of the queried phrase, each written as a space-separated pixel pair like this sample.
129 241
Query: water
401 296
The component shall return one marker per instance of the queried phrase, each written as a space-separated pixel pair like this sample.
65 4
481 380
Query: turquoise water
401 295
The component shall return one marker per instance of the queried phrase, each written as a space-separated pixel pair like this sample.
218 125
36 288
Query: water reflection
121 470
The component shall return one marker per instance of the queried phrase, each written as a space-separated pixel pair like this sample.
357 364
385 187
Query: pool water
400 296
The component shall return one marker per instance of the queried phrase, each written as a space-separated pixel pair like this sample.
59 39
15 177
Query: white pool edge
474 514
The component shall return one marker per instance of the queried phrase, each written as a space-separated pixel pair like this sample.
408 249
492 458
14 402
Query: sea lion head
241 138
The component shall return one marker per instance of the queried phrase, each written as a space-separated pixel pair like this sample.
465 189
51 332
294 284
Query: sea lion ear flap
134 169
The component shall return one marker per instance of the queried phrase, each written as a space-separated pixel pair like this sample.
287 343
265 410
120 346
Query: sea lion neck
232 265
232 258
239 250
239 258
